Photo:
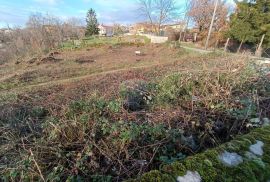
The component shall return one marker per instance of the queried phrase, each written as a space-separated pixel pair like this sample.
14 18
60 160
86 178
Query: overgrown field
123 114
96 56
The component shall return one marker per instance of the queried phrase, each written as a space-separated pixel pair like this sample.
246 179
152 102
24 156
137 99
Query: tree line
251 22
40 34
247 23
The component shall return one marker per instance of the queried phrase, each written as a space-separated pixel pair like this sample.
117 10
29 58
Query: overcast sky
16 12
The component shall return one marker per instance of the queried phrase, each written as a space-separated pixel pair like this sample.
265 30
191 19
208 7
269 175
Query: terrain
112 109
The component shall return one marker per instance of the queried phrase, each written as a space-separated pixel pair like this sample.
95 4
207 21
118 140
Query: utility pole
211 25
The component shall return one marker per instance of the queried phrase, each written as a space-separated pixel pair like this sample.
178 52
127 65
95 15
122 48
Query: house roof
106 26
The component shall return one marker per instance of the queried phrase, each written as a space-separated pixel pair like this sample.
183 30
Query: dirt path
70 80
202 51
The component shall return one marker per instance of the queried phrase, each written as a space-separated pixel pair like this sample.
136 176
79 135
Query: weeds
101 41
100 138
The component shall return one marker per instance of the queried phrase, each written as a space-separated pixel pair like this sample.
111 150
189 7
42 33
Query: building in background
142 28
176 26
105 30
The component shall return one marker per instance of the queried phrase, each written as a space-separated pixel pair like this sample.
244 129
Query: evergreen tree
92 23
250 21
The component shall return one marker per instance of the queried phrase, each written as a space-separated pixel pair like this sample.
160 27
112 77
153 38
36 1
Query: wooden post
211 25
180 36
226 45
259 49
216 44
239 48
195 37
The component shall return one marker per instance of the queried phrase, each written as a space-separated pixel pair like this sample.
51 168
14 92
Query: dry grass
77 127
104 59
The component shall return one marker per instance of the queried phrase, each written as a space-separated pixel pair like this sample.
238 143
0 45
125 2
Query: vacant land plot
113 112
93 60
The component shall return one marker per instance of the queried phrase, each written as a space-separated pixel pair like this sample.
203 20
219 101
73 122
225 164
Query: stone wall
156 39
246 158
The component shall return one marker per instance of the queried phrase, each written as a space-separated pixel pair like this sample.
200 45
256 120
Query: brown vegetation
42 33
98 128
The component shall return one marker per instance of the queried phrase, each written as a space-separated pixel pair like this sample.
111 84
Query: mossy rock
155 176
211 169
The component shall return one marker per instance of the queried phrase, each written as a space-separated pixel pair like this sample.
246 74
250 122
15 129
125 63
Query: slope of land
101 112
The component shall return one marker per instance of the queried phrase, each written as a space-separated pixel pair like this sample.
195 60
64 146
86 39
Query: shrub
136 96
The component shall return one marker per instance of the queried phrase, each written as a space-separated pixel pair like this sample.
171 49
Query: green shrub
136 95
168 89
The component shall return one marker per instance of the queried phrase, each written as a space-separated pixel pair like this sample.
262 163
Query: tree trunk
239 48
185 31
180 36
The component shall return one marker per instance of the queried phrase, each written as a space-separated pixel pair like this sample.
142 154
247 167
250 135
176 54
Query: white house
105 30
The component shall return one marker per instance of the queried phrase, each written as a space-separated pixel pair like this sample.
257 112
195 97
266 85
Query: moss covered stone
156 176
211 169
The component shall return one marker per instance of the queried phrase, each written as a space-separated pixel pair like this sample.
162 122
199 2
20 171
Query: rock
190 177
266 121
255 120
257 148
230 159
137 96
234 70
138 53
189 141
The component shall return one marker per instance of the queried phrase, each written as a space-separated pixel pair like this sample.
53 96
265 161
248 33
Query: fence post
259 49
211 25
226 45
240 46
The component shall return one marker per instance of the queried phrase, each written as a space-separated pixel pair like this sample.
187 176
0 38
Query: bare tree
188 6
73 28
118 29
201 12
157 12
146 9
41 34
165 11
